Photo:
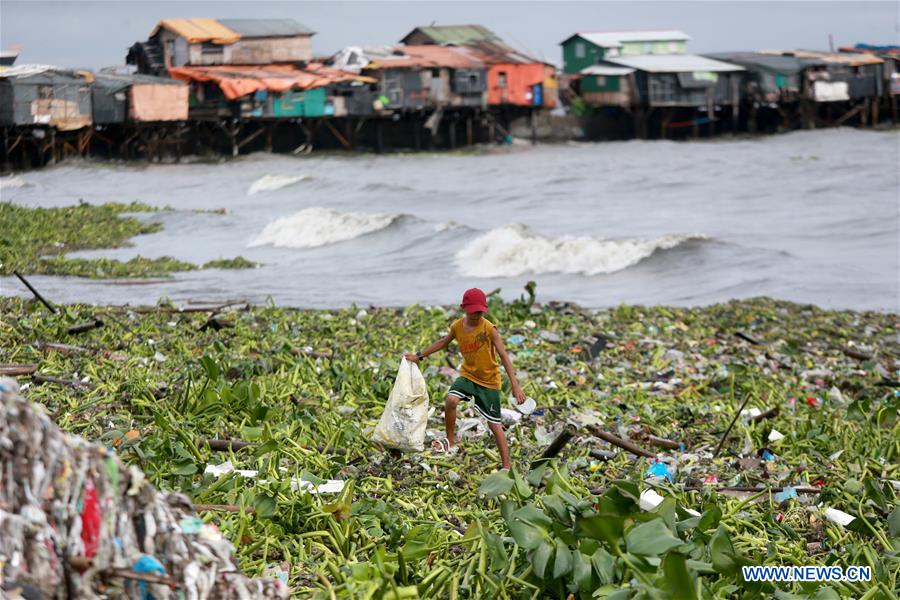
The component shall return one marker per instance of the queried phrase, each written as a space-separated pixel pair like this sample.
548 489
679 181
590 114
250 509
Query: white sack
402 426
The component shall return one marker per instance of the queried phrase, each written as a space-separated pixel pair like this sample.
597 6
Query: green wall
572 63
589 83
309 103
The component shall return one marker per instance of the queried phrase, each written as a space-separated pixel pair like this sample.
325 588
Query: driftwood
733 421
617 441
74 383
603 454
13 370
226 444
216 324
82 327
555 446
175 309
224 508
772 412
853 353
663 442
61 348
747 338
36 293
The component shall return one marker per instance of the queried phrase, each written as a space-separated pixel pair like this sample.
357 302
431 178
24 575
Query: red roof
452 57
237 81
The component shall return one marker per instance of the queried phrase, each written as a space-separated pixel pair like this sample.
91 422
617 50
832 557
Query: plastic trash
650 499
90 519
526 408
148 565
838 516
659 469
510 415
775 435
767 456
551 336
515 340
785 494
814 402
191 525
402 426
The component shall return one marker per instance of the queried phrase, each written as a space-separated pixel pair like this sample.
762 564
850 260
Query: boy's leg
450 417
500 437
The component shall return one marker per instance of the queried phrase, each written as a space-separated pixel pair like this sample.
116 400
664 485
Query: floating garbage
659 469
838 516
775 435
50 512
515 340
526 408
650 499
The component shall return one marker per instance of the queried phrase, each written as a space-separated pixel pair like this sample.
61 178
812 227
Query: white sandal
443 447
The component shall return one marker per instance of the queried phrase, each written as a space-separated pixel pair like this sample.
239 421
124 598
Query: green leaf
210 366
496 484
825 593
557 508
541 557
526 529
605 527
604 565
876 494
269 446
184 468
496 551
710 518
651 539
894 522
679 580
251 434
522 487
581 571
563 563
722 553
265 506
537 475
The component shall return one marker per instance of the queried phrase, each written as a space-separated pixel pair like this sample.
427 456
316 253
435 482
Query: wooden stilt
417 132
452 125
379 135
468 130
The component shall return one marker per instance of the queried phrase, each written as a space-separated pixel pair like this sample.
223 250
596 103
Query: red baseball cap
474 301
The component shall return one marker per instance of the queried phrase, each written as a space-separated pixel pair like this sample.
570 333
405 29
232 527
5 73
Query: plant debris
305 388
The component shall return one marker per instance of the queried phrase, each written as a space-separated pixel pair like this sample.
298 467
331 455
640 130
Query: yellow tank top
479 356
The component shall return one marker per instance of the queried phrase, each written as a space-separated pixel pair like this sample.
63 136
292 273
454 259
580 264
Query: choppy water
808 216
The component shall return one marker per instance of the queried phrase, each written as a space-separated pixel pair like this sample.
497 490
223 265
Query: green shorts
487 401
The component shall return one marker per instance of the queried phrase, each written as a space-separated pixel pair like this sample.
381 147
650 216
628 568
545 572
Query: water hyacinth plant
288 399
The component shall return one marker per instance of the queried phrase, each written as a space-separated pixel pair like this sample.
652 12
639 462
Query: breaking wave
317 226
514 250
13 182
270 183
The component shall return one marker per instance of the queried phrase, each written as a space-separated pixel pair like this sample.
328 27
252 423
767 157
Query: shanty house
420 77
513 78
209 42
117 98
44 95
583 50
838 76
769 77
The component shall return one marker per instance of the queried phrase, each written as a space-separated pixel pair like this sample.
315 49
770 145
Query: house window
210 49
45 91
501 79
436 73
601 80
662 88
580 50
473 80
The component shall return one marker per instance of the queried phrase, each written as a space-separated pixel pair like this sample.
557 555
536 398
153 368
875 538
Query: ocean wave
13 182
515 250
270 183
317 226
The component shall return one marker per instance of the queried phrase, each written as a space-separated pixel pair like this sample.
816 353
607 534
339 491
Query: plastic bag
402 426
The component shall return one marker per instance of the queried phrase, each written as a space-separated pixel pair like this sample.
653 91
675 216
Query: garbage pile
76 522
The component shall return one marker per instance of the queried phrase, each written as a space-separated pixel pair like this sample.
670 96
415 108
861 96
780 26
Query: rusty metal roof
262 28
455 34
842 58
409 57
494 53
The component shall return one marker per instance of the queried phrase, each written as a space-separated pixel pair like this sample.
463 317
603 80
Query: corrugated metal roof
118 81
853 60
24 71
452 57
615 39
786 65
673 63
457 34
236 81
494 53
261 28
604 70
198 30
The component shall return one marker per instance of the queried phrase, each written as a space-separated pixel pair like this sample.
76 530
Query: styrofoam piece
225 468
332 486
526 408
838 516
692 512
751 412
775 435
650 499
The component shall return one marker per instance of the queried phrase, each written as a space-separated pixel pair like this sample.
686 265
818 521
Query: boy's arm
438 345
507 364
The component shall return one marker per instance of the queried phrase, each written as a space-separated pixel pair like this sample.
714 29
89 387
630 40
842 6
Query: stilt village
234 86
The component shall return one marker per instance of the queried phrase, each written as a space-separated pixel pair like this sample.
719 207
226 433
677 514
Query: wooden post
269 127
695 126
735 103
533 128
417 132
468 130
452 124
52 131
711 112
876 103
491 133
379 135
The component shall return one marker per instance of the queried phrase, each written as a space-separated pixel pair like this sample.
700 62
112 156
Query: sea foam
270 183
514 250
318 226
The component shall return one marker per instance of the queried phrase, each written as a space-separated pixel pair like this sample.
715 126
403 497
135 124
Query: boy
479 380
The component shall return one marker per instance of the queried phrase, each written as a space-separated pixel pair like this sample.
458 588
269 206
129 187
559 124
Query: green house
586 49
